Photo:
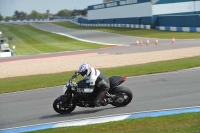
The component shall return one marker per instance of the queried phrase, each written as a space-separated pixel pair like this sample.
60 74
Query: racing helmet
84 70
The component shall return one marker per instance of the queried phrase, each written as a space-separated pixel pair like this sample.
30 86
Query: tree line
36 15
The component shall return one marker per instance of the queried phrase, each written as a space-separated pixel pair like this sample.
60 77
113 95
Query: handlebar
70 82
75 75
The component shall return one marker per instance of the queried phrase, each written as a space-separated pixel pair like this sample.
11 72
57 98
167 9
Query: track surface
151 92
100 36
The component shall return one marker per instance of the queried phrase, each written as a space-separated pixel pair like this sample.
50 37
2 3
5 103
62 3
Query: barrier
32 20
115 25
183 29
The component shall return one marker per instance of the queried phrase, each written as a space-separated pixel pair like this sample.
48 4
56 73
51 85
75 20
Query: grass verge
29 40
136 32
47 80
181 123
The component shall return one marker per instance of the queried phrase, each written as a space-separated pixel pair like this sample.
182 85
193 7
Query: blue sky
7 7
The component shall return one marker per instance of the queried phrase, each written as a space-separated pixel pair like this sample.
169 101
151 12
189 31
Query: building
146 12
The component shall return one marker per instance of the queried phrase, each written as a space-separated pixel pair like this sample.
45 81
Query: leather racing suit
98 80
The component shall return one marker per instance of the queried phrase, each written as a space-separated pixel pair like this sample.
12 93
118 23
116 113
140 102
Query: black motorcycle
118 96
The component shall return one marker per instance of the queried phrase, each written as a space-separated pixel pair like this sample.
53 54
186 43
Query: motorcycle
73 96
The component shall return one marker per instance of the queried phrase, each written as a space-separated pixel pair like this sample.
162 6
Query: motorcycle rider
97 80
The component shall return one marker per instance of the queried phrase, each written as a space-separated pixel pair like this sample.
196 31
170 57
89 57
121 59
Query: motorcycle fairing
116 81
83 83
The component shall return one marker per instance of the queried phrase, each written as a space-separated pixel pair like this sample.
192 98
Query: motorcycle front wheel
124 96
62 107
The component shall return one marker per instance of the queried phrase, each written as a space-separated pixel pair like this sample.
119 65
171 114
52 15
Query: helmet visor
83 73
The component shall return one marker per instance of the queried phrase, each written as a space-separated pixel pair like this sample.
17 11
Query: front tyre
62 107
124 96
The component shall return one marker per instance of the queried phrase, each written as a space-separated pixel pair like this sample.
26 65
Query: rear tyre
124 96
63 108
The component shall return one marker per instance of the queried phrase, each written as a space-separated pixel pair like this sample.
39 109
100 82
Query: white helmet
85 70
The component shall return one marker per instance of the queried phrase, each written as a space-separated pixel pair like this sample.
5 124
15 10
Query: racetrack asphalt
104 37
150 92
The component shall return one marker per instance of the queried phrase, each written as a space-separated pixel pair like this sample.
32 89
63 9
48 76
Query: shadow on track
75 113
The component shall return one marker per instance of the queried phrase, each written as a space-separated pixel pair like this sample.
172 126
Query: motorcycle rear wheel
60 107
125 96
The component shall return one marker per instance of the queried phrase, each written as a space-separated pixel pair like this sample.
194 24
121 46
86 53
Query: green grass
47 80
136 32
29 40
181 123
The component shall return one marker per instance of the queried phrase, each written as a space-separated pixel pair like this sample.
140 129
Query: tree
84 12
79 12
19 15
8 18
64 12
23 15
1 17
16 15
75 12
35 14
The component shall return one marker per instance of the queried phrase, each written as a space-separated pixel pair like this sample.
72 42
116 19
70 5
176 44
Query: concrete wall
32 20
174 7
180 20
142 20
